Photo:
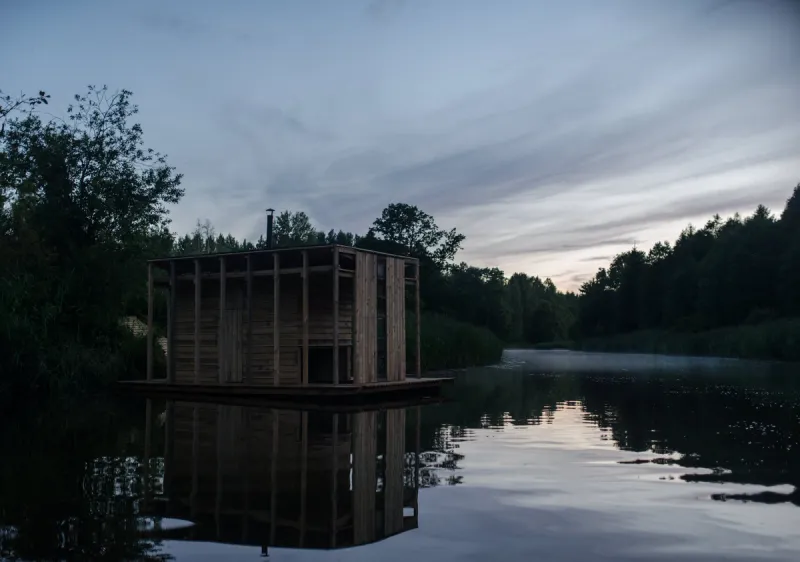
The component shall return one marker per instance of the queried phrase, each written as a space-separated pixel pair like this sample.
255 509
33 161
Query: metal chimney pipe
269 227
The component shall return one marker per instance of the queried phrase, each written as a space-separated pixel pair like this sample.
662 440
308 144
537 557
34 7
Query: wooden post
149 321
419 322
197 296
171 311
305 317
356 321
249 281
221 322
276 328
336 315
334 493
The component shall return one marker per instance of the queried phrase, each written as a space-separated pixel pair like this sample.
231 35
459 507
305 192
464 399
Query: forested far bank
729 288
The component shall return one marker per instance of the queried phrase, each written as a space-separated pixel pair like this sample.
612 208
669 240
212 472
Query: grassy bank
450 344
776 340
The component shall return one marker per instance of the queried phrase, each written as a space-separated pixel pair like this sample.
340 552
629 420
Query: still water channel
551 455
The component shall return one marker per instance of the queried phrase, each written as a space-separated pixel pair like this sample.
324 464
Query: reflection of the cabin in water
287 478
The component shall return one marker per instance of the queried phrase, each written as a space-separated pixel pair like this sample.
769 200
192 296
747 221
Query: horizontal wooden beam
160 281
258 273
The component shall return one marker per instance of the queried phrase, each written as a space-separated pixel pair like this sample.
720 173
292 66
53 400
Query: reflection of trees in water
713 422
438 463
743 423
61 500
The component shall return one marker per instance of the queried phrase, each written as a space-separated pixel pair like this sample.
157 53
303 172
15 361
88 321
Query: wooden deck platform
329 393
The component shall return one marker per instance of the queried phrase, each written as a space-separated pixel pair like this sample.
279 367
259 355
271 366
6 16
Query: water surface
552 455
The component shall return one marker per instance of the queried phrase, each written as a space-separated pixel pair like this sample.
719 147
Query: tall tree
82 202
293 229
415 233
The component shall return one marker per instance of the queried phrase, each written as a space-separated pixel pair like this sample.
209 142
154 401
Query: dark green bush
450 344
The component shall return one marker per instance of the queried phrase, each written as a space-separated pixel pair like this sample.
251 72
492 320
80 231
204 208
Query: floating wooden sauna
311 319
271 477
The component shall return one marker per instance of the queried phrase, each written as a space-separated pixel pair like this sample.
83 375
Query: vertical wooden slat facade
335 281
396 319
418 319
249 289
366 319
222 325
149 321
230 341
305 317
270 319
198 294
276 324
171 317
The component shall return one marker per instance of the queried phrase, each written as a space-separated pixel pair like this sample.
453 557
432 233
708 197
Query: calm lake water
551 456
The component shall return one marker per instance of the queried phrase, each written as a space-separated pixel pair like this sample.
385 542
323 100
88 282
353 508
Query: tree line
729 272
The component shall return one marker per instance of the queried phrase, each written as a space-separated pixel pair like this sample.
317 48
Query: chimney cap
270 210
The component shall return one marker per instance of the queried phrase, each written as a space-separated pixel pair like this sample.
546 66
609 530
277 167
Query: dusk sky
553 134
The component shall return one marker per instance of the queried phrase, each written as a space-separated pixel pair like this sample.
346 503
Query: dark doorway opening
320 365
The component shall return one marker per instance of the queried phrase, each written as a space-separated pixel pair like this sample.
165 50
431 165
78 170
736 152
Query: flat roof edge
278 250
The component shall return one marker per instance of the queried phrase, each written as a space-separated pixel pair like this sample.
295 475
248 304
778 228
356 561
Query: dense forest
731 287
84 203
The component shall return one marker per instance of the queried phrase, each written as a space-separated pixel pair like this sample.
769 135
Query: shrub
450 344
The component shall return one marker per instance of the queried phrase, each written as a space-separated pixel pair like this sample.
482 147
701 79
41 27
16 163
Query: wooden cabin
314 316
271 477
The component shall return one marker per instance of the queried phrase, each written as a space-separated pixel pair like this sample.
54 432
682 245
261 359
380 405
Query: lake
551 455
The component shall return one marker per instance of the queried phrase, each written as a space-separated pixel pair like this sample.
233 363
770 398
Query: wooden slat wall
232 333
184 333
365 449
395 319
365 360
395 463
235 332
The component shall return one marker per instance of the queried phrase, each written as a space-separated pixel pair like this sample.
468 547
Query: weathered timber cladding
366 319
230 330
232 334
395 319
